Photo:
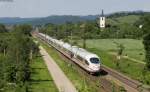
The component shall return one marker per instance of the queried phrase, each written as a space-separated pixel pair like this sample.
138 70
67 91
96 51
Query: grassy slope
78 80
130 19
41 81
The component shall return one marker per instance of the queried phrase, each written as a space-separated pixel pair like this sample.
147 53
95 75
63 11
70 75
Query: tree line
16 47
146 39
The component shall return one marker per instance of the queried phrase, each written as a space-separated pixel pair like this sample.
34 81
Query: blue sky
42 8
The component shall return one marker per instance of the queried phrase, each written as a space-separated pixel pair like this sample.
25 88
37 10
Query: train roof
67 46
42 34
85 54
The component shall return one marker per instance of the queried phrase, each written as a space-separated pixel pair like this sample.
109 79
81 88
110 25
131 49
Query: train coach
87 60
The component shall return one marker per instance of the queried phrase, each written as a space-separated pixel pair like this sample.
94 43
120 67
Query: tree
146 39
2 68
3 45
3 39
146 42
145 21
86 32
23 29
50 29
120 50
2 28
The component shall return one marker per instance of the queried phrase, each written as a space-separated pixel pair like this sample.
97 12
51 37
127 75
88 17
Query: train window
79 58
87 62
71 55
94 60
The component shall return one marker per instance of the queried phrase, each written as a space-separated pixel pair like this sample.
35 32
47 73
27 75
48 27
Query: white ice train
87 60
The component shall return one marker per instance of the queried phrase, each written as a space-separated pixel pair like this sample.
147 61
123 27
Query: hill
59 19
50 19
14 20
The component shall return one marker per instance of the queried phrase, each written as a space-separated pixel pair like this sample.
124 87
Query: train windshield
94 60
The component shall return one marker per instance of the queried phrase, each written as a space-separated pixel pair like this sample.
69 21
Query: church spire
102 20
102 13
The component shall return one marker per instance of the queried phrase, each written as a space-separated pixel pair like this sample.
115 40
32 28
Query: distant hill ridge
55 19
59 19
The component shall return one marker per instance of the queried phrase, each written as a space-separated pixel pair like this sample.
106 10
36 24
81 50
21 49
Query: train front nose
95 63
95 67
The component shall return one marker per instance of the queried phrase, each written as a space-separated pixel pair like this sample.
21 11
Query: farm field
41 81
133 48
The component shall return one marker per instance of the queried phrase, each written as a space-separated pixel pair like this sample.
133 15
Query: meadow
132 48
130 19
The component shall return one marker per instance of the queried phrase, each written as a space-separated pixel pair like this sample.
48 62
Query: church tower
102 20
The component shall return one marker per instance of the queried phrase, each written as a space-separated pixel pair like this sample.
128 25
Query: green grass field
41 81
133 48
130 19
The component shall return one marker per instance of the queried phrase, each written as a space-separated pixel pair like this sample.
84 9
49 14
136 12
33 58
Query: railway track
122 78
105 83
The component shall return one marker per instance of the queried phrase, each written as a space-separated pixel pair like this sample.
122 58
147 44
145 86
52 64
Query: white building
102 20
